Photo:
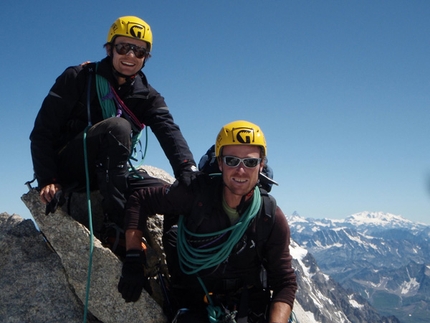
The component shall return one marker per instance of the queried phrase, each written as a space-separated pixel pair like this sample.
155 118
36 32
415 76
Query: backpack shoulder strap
265 221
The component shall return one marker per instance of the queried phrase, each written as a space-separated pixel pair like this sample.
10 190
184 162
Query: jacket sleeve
281 276
174 200
48 133
169 135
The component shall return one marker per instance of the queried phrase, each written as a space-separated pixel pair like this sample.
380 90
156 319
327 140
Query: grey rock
72 244
33 283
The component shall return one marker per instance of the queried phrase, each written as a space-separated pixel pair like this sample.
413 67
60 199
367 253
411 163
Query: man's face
240 180
128 63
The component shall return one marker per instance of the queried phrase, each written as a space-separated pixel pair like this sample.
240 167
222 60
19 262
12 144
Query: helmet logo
244 136
137 31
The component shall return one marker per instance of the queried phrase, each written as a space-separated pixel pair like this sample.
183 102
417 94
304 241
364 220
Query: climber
107 103
226 241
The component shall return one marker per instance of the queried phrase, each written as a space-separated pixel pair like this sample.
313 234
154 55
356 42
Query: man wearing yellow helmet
108 103
129 34
228 255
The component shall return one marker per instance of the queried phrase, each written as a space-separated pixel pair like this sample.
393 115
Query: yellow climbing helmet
240 132
133 27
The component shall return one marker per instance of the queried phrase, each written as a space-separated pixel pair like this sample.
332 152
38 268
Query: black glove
133 278
195 181
187 175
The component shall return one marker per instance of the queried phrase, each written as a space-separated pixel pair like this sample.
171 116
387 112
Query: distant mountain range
380 256
326 301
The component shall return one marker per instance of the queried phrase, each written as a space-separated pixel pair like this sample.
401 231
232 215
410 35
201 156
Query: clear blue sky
341 89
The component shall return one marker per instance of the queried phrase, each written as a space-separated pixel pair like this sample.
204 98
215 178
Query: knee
118 126
118 131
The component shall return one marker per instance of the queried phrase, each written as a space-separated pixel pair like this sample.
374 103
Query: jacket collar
139 85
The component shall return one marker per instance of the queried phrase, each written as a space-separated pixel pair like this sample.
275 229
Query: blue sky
341 89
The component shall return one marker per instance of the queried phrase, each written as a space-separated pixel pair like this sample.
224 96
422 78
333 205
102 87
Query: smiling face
127 64
239 180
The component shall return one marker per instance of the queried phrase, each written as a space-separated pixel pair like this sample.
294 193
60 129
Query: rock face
69 265
33 283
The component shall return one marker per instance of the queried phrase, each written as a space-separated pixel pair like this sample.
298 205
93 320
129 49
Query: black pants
106 152
192 316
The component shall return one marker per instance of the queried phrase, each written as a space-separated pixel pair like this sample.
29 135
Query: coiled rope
192 260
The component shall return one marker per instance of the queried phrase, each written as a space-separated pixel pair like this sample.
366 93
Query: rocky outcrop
62 251
33 282
44 270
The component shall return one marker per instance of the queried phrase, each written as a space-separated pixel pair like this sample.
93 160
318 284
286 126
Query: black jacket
63 116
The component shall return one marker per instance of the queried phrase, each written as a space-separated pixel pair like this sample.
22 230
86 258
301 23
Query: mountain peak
377 219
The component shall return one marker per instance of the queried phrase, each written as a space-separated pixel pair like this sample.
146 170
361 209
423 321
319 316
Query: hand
187 175
48 192
52 195
195 181
133 278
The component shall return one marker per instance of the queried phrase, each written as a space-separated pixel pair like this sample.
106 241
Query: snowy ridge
378 255
365 219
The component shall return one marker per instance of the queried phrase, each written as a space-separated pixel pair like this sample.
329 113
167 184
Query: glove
133 278
194 181
188 174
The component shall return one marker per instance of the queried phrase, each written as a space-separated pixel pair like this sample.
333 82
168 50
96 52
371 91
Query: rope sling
113 106
193 260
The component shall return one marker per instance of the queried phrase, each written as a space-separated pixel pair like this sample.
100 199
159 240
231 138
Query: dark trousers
105 151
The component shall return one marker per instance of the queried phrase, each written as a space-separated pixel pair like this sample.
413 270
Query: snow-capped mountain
324 300
365 222
383 257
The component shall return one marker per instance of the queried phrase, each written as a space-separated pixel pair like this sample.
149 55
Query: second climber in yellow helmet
226 240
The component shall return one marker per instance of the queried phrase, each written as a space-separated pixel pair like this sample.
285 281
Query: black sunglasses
124 48
232 161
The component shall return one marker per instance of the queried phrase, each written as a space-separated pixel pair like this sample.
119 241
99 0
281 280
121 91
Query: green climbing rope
192 260
103 89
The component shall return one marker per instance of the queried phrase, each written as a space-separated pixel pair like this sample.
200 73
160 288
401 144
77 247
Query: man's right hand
133 278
